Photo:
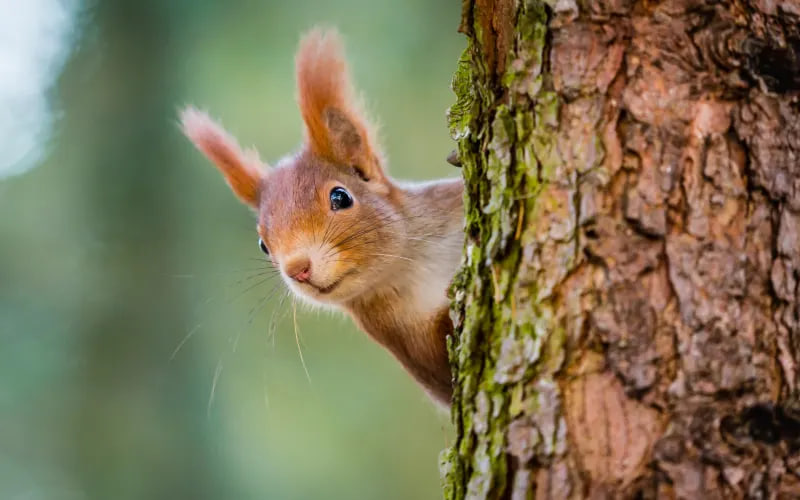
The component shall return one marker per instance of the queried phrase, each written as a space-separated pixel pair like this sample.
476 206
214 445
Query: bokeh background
139 358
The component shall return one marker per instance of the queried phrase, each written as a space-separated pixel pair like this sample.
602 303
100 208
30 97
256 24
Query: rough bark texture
628 310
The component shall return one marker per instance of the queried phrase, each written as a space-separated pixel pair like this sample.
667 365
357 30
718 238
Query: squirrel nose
299 269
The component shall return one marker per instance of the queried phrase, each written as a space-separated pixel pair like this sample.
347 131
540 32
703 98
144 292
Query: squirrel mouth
328 289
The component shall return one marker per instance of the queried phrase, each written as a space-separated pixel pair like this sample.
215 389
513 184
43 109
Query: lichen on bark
627 308
509 157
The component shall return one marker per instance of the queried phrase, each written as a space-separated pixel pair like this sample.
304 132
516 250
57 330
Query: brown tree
628 310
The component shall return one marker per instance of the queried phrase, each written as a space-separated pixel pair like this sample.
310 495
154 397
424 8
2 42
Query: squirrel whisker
264 280
297 340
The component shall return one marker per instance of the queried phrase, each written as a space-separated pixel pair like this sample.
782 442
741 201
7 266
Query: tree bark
628 310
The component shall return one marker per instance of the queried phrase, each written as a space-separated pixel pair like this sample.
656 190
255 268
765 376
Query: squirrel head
328 217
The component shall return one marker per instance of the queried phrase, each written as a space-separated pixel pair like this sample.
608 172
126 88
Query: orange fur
242 169
323 87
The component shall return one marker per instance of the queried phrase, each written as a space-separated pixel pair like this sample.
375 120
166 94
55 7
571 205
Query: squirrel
339 229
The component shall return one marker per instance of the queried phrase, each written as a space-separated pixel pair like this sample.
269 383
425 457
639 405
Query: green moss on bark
628 263
505 131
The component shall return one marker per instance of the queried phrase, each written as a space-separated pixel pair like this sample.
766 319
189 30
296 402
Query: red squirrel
341 231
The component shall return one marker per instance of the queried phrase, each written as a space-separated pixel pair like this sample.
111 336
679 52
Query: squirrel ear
242 169
335 126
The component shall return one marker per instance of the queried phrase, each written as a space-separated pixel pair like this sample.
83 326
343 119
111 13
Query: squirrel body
341 231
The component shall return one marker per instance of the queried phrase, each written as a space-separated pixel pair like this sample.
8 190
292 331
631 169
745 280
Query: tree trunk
628 310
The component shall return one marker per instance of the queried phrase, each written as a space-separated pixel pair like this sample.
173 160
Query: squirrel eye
340 198
263 246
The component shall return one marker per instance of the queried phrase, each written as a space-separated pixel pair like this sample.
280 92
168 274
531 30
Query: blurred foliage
125 241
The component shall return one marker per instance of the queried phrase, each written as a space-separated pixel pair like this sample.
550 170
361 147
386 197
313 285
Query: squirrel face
327 229
328 216
340 231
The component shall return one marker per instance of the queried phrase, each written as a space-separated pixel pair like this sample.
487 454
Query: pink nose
299 269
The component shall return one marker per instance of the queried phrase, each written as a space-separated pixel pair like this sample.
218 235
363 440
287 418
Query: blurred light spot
35 38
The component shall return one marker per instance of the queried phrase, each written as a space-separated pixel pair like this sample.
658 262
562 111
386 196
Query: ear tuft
335 126
242 169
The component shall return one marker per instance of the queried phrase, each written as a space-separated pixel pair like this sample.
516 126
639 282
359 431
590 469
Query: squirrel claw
453 158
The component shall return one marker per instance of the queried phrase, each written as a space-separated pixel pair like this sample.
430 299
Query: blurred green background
123 240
